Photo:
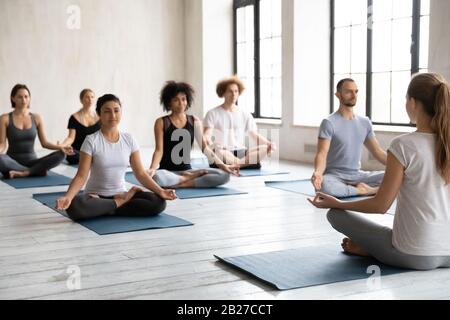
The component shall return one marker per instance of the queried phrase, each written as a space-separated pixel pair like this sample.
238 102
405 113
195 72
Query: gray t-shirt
109 163
422 219
347 139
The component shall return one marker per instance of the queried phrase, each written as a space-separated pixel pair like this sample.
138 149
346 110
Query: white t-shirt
422 218
230 128
109 162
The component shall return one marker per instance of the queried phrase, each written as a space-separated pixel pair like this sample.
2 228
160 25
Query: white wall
124 47
439 54
217 48
193 59
209 49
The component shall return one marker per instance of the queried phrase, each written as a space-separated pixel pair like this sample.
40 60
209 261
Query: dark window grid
415 56
255 3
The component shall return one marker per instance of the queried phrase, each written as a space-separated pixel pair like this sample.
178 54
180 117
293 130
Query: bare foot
123 198
18 174
353 248
187 176
366 190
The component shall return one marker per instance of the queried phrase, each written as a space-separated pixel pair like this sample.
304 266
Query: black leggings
75 158
143 204
36 166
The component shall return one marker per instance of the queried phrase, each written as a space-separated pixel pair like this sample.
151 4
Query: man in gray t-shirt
341 138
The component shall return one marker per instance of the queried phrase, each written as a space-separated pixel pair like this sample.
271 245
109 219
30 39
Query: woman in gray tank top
20 129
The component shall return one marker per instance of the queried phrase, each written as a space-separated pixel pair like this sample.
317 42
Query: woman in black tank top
175 135
20 128
81 124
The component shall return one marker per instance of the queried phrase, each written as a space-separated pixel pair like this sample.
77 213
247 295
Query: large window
258 63
380 44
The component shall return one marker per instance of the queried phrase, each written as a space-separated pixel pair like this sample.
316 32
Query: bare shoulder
4 119
37 118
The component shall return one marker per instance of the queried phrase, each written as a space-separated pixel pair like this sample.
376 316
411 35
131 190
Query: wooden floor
37 245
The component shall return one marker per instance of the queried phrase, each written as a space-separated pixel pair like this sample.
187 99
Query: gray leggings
213 178
36 166
143 204
377 241
341 185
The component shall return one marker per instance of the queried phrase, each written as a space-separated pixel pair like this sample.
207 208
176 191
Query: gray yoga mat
116 224
191 193
306 188
50 180
305 267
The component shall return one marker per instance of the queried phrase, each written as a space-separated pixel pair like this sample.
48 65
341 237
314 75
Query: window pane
266 96
247 100
382 10
402 8
266 19
337 78
360 80
350 12
401 44
400 82
271 98
276 18
245 50
341 14
276 57
358 12
381 97
266 58
424 41
270 17
425 7
270 58
244 24
245 60
342 47
381 46
359 49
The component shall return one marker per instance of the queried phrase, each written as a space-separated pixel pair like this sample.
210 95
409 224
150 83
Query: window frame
237 4
415 56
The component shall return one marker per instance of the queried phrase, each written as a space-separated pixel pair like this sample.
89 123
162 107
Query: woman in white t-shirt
227 127
106 154
418 175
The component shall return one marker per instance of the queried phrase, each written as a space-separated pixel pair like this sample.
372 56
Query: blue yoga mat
50 180
116 224
260 172
305 187
202 163
305 267
199 163
191 193
298 186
